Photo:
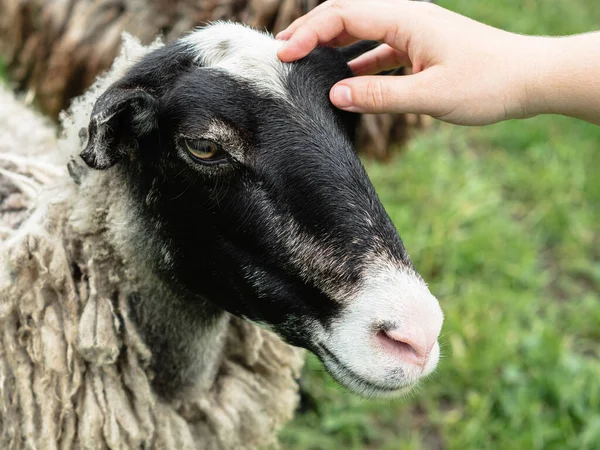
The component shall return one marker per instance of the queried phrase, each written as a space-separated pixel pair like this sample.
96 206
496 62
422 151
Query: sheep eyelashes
284 228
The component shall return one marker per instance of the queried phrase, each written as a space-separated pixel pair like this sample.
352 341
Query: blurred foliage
2 71
503 223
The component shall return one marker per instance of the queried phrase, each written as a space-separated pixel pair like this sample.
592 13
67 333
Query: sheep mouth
355 382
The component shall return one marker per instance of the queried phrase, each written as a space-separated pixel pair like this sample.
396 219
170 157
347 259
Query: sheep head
252 198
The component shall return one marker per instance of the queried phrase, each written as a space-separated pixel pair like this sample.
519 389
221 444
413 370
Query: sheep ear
119 119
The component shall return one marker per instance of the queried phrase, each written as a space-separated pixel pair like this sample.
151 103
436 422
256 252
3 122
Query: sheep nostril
409 347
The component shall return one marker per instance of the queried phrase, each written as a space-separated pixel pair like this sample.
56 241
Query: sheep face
250 196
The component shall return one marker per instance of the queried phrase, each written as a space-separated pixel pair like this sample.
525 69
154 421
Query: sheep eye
203 149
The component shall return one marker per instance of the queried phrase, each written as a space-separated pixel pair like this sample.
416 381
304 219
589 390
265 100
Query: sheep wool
74 371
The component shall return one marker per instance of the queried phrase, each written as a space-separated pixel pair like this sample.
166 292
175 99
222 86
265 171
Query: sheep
217 190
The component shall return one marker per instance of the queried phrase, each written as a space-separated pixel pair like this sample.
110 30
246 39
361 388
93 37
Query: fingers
287 33
341 40
378 60
342 22
387 94
321 29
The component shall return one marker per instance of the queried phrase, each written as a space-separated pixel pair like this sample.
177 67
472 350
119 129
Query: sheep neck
184 333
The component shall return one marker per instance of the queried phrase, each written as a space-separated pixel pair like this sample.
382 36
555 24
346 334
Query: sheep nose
412 341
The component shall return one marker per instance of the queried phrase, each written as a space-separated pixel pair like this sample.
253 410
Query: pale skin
464 72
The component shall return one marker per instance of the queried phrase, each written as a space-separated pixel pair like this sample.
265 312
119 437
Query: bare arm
565 77
465 72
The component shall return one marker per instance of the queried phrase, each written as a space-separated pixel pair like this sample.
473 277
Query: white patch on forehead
243 52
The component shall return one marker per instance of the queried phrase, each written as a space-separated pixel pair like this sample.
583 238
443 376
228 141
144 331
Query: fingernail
341 96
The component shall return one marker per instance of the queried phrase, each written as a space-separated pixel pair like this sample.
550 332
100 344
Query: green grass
502 222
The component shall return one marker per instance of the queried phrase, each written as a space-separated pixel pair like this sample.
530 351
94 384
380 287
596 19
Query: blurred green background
503 223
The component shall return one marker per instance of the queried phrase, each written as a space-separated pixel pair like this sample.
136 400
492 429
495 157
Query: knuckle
375 95
398 58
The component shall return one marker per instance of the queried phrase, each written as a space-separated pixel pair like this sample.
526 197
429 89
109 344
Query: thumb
385 94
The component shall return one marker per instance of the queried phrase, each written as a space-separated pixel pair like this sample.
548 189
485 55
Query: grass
502 222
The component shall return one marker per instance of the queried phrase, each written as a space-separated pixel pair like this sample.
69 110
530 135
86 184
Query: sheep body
74 371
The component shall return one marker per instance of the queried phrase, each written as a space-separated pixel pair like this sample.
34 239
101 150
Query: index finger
291 28
342 22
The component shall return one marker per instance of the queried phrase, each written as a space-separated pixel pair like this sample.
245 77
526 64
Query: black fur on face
279 224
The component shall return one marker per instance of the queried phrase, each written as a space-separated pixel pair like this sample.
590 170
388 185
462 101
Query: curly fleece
74 371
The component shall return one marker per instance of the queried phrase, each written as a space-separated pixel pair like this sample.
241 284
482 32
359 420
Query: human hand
464 72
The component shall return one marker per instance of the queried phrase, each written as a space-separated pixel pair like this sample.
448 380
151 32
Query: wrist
543 60
532 61
517 74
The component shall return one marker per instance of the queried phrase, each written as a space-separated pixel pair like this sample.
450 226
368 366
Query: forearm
565 77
